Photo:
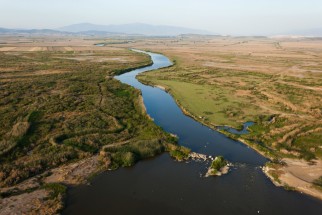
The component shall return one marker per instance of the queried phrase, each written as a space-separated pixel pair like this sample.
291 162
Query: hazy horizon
250 17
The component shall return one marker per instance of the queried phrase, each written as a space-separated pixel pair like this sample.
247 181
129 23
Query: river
164 186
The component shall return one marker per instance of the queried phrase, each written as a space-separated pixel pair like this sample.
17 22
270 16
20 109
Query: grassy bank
213 98
224 82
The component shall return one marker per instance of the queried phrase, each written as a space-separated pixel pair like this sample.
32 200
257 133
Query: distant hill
315 32
53 32
28 31
92 29
136 28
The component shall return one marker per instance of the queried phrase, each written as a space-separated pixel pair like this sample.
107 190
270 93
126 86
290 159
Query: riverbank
201 120
58 131
176 185
39 194
285 178
298 175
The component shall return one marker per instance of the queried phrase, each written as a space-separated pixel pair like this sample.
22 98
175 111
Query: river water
164 186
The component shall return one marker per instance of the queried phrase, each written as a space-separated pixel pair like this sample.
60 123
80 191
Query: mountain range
135 29
314 32
128 29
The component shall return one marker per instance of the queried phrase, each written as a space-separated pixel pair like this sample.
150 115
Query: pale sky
238 17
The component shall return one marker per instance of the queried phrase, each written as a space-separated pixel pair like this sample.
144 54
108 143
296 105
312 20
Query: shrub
318 182
55 190
218 163
180 153
123 159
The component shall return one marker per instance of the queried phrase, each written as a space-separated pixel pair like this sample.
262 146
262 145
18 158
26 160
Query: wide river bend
164 186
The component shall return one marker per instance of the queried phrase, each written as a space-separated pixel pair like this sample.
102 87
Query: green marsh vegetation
180 153
57 107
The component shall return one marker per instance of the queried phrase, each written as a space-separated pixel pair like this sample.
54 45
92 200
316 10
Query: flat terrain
63 118
228 81
274 82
